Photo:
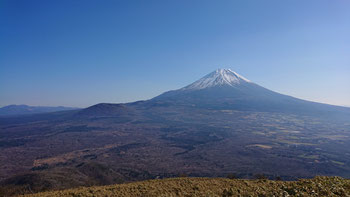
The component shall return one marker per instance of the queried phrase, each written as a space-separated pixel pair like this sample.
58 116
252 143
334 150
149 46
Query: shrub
231 176
260 176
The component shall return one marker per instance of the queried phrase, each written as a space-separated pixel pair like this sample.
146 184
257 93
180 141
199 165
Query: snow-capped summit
219 77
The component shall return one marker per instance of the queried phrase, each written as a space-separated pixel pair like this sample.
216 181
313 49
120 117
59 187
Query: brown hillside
319 186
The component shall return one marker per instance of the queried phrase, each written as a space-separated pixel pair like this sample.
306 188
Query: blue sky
79 53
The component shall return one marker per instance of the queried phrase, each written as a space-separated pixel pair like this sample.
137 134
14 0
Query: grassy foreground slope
318 186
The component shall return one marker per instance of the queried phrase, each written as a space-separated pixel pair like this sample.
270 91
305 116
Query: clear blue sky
83 52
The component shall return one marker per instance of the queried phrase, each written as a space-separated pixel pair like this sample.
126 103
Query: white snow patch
218 78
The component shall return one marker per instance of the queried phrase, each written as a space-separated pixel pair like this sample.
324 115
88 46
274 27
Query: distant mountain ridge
12 110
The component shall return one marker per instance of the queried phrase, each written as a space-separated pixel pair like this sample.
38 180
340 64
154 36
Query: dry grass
319 186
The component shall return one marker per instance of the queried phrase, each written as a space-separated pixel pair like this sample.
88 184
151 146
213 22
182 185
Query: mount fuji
226 89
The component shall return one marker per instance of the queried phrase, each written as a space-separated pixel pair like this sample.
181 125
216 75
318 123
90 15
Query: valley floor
318 186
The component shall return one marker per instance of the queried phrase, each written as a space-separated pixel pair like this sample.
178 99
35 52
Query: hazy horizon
81 53
136 100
